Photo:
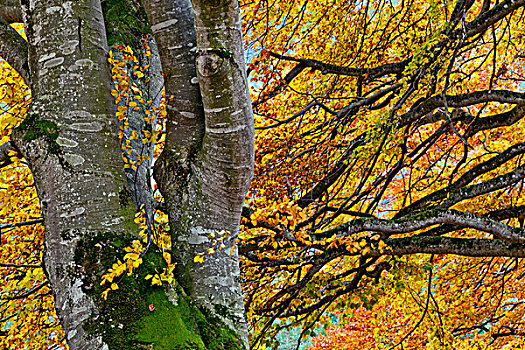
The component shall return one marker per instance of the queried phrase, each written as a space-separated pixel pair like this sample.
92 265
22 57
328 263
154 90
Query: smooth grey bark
427 219
207 162
174 30
474 247
226 160
78 175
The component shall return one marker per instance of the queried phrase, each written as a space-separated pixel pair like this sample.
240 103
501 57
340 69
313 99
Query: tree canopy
389 172
387 199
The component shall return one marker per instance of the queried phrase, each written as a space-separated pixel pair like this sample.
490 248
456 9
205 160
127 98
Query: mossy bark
71 145
207 162
138 315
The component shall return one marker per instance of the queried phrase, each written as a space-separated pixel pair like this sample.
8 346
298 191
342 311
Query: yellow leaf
105 294
199 258
167 257
131 256
137 263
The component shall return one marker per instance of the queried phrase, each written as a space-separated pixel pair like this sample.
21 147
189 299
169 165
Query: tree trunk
207 163
69 139
224 165
10 11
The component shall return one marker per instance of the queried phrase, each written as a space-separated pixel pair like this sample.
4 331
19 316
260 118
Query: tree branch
339 168
473 247
5 159
20 224
13 49
11 11
461 100
327 68
28 293
21 265
286 80
427 219
466 178
488 18
499 214
488 186
497 120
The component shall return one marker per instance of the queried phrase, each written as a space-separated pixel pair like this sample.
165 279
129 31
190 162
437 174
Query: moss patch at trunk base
166 327
125 321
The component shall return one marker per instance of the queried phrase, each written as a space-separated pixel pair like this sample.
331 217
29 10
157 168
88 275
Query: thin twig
424 311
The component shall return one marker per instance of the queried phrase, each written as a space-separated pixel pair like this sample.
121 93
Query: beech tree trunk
70 142
207 163
69 139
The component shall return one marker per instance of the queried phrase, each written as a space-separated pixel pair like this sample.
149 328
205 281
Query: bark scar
209 63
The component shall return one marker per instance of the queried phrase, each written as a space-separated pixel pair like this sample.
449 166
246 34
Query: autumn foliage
389 173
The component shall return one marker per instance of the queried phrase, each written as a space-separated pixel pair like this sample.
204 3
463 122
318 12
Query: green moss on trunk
126 23
33 128
125 321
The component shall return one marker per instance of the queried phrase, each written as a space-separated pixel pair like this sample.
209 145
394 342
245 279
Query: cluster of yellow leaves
282 211
217 243
129 97
165 276
132 260
138 248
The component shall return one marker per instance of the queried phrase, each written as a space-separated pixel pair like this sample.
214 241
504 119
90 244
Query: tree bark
207 162
11 11
225 162
70 142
